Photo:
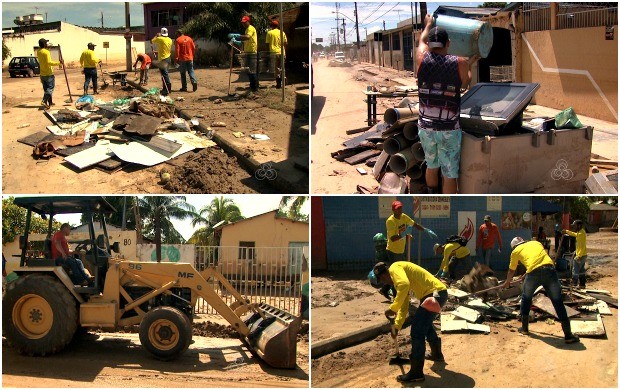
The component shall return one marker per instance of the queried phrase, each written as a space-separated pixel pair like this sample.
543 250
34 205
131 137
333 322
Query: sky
370 17
250 205
83 13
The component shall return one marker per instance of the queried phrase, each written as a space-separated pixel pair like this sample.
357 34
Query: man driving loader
62 255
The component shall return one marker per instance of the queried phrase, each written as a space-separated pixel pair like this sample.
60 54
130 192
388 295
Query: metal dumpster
500 155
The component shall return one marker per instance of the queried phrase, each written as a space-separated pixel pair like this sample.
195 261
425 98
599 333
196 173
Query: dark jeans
187 67
250 62
90 74
76 266
49 82
547 277
422 327
163 66
454 261
394 257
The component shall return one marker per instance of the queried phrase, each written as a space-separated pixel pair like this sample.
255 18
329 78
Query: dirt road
337 106
265 114
503 358
118 360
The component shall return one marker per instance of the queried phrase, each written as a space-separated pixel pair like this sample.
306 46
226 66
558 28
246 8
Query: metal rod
64 69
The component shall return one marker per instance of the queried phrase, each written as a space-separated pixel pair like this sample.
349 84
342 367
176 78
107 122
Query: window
396 41
165 18
247 250
386 42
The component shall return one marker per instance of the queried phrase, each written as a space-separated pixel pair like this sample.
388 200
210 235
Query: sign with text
319 40
435 206
494 203
106 45
385 206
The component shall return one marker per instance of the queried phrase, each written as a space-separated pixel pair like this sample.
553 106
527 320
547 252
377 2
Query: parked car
339 55
321 55
25 66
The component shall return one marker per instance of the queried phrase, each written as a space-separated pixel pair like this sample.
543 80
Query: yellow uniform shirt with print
410 277
395 227
580 249
531 254
46 62
89 59
453 249
164 47
273 40
250 45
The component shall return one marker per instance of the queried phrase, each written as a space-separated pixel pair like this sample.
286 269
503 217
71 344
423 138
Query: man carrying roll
440 79
432 294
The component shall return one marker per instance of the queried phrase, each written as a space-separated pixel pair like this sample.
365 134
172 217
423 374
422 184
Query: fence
263 275
537 16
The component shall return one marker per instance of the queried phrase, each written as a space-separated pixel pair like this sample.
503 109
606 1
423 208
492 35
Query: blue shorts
442 149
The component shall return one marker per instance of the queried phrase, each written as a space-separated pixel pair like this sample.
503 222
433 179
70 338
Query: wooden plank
544 303
606 298
588 328
589 290
374 131
363 156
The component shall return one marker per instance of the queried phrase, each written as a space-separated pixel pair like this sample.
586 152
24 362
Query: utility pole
337 26
384 25
101 19
127 38
344 33
357 28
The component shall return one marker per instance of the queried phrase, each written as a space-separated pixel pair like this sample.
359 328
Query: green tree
290 207
157 213
14 221
220 209
6 52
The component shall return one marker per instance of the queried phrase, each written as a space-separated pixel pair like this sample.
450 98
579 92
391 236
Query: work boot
574 281
183 90
569 337
525 325
278 82
415 374
194 87
435 354
582 281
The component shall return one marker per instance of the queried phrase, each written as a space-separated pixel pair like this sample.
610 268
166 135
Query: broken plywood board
189 139
588 328
135 152
84 159
466 313
137 123
37 137
373 132
544 303
449 323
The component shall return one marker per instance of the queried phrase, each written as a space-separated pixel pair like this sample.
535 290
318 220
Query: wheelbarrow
118 77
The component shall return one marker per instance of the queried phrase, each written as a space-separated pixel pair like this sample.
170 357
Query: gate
262 275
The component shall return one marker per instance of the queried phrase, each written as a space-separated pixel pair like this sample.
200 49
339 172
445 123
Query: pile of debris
478 297
141 130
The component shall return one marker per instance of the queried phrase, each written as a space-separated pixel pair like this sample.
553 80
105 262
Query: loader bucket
273 336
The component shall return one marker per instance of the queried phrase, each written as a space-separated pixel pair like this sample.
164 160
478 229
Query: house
602 215
263 246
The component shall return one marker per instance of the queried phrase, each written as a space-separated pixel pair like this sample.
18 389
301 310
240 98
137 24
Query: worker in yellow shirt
164 50
47 73
277 42
89 62
581 252
250 48
453 252
432 293
396 226
539 271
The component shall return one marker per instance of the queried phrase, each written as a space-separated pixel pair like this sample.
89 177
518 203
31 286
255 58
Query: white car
339 55
321 55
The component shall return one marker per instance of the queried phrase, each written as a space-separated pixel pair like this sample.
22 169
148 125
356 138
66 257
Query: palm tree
290 207
157 213
220 209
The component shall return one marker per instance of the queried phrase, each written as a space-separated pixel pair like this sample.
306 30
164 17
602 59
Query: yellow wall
582 50
266 231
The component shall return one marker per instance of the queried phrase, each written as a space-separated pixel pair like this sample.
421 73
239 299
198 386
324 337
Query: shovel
395 359
103 80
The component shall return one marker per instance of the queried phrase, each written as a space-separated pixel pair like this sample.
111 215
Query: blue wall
352 221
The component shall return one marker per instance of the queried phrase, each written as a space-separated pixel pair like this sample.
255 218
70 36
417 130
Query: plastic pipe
417 151
392 115
410 131
417 171
403 161
468 37
395 144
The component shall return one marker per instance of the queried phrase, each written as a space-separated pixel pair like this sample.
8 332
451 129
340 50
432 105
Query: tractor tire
165 332
39 315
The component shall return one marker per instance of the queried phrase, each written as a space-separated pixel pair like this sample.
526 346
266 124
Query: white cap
516 241
164 32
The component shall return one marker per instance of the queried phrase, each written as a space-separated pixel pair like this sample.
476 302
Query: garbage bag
152 91
567 119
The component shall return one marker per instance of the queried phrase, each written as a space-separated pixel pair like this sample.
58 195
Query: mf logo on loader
187 275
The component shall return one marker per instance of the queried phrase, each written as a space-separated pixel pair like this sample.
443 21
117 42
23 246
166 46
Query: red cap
396 204
245 19
275 23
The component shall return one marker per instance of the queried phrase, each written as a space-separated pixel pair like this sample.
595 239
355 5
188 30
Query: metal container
468 37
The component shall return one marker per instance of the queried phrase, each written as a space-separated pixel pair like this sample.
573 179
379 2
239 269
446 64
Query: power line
369 15
384 13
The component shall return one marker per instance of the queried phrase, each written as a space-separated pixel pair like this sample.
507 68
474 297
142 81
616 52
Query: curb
250 165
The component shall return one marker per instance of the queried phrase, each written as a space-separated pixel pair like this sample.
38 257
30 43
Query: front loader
43 308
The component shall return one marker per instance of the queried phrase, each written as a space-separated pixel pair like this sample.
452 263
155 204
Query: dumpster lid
498 103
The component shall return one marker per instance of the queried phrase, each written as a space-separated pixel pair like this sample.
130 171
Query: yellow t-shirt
164 47
580 249
46 62
410 277
531 254
273 40
395 227
453 249
250 45
89 59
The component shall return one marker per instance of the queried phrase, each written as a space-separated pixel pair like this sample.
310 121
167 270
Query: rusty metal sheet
544 303
137 123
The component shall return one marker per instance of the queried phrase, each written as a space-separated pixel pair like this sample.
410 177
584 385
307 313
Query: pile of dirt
212 329
303 333
341 292
209 171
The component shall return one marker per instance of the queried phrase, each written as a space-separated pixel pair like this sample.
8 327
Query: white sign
435 206
467 228
385 206
494 203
